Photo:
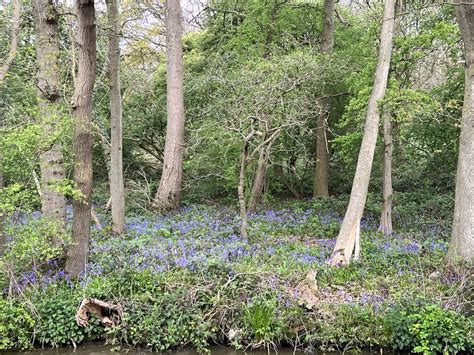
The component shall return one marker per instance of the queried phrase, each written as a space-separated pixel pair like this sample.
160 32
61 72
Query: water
97 349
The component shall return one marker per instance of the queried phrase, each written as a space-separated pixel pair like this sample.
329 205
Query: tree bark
82 146
241 193
321 174
53 203
386 215
5 67
346 239
258 185
117 189
169 191
462 238
387 190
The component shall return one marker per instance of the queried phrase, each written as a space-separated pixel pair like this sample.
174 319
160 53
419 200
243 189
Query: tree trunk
3 241
386 216
346 239
5 67
387 190
117 188
241 193
462 238
82 146
258 184
320 183
53 203
169 191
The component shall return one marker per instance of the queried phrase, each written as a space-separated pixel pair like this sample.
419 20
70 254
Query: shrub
428 328
350 326
16 326
165 321
57 325
33 243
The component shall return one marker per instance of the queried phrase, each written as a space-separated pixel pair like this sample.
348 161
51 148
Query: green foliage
428 329
34 243
165 320
15 195
16 326
57 325
349 326
260 321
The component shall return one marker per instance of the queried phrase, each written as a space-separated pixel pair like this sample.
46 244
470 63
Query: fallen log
108 314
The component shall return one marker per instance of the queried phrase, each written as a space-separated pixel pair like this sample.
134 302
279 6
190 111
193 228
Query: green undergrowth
187 280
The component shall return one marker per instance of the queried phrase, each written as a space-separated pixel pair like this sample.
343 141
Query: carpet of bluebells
245 294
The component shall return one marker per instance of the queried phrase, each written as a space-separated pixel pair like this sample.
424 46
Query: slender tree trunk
117 188
2 235
321 175
13 41
82 146
462 238
53 203
241 193
387 190
4 68
169 191
258 185
346 239
386 216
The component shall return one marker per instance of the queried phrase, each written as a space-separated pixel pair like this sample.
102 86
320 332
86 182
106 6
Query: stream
98 349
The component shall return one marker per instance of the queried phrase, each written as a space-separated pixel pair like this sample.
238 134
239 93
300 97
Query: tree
3 72
13 41
348 238
82 145
387 188
53 202
320 183
169 191
462 238
117 193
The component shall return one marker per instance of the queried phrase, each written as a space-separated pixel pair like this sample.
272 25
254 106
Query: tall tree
386 226
348 238
46 16
4 68
169 191
13 41
117 193
320 183
462 239
82 146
